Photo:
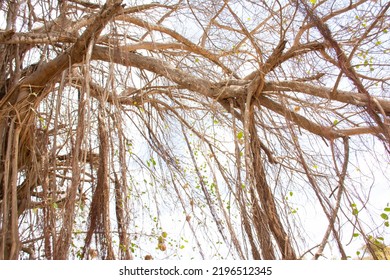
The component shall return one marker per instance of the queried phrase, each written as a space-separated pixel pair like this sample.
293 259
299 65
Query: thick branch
36 38
46 72
156 66
347 97
194 47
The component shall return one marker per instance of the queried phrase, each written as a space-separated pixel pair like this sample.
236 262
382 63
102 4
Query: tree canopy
182 129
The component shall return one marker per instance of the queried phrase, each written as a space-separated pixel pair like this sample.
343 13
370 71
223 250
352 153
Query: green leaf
377 242
355 211
387 209
378 43
385 31
387 224
355 234
240 135
313 2
335 122
384 216
196 59
291 193
358 253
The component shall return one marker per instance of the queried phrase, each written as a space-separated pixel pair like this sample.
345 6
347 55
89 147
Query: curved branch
156 66
347 97
195 48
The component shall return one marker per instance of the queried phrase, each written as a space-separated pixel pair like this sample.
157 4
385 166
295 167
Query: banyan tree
182 129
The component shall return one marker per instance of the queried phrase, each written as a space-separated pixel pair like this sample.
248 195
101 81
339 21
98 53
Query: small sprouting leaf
378 43
358 253
387 224
240 135
335 122
313 2
196 59
384 216
354 209
381 238
355 234
291 193
387 209
385 31
315 166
